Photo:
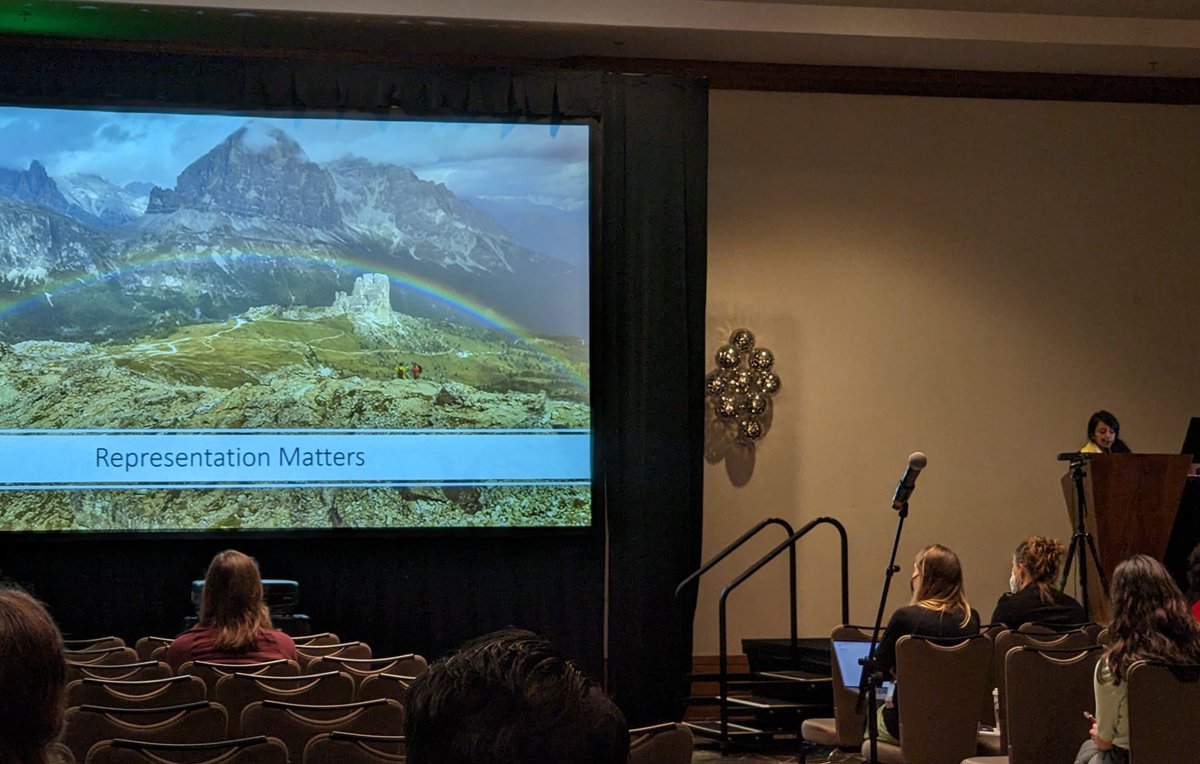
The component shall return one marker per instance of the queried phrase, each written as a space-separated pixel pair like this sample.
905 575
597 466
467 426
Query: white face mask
1012 583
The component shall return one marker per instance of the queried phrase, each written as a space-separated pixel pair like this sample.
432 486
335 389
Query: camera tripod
1082 543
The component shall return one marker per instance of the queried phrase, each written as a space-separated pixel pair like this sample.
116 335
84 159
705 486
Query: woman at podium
1032 597
1104 435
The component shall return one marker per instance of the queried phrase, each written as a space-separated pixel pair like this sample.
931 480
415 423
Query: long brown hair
233 601
941 582
1150 618
1040 555
33 676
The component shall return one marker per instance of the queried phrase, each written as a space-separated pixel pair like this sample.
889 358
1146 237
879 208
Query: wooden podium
1130 502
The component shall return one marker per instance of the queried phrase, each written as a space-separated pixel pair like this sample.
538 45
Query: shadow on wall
722 442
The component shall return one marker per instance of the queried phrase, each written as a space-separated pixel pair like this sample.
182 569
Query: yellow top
1091 448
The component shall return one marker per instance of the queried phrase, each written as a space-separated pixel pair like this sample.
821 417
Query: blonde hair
1040 555
941 582
233 601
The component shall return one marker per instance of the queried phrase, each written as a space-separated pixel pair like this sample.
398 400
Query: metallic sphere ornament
756 404
750 429
739 382
762 359
728 357
769 383
742 339
715 384
727 407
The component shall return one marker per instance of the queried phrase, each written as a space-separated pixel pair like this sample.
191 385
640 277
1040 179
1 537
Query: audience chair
385 686
1164 712
199 722
60 754
120 654
939 684
1047 692
251 750
845 729
147 693
324 638
360 668
146 646
237 691
295 724
119 671
662 744
354 748
1044 640
310 653
987 707
1104 638
94 643
210 672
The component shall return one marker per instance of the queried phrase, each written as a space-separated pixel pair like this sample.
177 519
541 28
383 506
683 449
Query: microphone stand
872 677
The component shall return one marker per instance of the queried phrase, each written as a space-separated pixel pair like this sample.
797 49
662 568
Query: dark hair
33 674
233 601
510 698
1193 574
1150 618
941 582
1118 446
1040 555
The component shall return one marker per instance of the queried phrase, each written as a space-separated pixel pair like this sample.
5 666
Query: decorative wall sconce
741 386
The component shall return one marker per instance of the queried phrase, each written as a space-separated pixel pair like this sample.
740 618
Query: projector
281 596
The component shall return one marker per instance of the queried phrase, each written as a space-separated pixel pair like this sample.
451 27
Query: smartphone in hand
1089 717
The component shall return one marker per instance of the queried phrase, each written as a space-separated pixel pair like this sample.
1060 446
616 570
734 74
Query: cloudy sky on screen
503 162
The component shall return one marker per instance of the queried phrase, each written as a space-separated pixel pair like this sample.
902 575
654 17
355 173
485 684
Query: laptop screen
849 653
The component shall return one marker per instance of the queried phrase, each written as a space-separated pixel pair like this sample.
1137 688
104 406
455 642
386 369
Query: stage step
713 729
761 702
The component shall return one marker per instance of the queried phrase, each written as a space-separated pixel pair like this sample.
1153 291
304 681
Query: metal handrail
790 545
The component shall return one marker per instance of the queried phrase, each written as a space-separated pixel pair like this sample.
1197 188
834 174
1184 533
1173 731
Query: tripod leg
1066 568
1096 557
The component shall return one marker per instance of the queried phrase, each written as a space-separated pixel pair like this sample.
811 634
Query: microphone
904 489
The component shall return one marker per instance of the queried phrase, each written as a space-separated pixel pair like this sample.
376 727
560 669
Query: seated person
1033 598
1103 432
33 678
1150 621
235 625
509 698
1193 581
939 609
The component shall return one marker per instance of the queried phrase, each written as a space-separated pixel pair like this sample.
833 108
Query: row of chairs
88 727
1043 682
109 651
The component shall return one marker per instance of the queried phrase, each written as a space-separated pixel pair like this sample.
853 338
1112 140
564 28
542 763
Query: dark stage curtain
427 592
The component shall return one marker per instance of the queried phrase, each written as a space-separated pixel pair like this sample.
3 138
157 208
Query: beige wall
968 278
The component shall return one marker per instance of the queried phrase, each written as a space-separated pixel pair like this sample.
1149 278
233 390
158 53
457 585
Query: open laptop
848 654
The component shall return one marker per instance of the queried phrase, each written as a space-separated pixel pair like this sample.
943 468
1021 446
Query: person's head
1193 574
1150 618
1035 563
1104 430
510 698
937 582
233 600
32 678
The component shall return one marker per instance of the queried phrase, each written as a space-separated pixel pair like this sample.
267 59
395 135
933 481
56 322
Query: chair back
253 750
237 691
354 748
309 653
1047 693
60 754
662 744
848 719
118 654
142 693
1164 706
125 671
988 715
385 686
210 672
92 643
198 722
146 646
361 668
940 683
1044 640
295 724
324 638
